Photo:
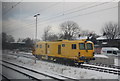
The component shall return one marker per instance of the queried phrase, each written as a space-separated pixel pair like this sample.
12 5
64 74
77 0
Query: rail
59 78
34 78
98 67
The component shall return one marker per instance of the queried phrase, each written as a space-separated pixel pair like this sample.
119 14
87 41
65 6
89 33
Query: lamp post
36 26
36 15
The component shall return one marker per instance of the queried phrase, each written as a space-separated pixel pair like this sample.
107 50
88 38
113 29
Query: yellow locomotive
69 51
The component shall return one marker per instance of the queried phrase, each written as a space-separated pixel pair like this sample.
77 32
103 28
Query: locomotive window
48 46
73 46
82 46
36 46
89 46
63 45
40 46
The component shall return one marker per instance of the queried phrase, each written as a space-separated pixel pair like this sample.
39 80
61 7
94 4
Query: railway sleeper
115 73
111 72
101 70
91 68
118 67
97 70
106 71
118 73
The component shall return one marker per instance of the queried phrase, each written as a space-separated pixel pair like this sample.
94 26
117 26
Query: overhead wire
86 8
74 11
59 14
54 14
66 11
82 15
44 9
13 6
89 13
40 10
78 16
48 17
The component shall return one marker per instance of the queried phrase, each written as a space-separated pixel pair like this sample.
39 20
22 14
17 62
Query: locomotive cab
86 51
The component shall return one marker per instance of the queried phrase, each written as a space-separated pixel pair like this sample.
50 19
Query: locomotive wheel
77 64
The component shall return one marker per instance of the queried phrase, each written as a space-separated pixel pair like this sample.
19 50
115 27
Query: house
104 42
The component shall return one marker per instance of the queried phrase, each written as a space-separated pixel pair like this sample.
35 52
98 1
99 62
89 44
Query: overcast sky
19 22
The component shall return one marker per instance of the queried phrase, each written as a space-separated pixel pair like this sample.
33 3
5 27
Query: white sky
20 23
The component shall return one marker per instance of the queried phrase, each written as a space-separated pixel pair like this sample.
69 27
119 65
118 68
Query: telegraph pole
36 32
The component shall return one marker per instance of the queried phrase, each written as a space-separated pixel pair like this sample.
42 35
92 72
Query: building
104 42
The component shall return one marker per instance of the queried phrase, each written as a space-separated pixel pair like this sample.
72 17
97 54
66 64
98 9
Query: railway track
4 77
31 77
98 67
101 69
55 78
105 65
96 64
23 55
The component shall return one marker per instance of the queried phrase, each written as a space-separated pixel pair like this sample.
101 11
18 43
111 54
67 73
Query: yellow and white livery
77 51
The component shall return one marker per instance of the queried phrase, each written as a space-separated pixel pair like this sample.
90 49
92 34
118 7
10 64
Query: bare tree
69 30
46 33
10 38
19 40
111 30
28 42
6 40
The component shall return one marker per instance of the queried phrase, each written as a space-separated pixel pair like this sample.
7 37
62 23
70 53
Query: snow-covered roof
110 48
19 42
82 37
104 42
101 38
104 37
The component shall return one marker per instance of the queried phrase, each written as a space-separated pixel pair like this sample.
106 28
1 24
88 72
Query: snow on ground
21 52
117 61
101 56
25 53
54 68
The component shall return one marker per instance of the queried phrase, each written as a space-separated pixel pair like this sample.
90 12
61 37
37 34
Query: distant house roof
19 42
82 37
118 37
104 37
101 38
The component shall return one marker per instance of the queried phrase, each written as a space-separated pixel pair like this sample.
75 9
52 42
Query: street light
36 32
36 26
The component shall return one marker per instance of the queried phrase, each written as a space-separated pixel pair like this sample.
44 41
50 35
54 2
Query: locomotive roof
63 41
